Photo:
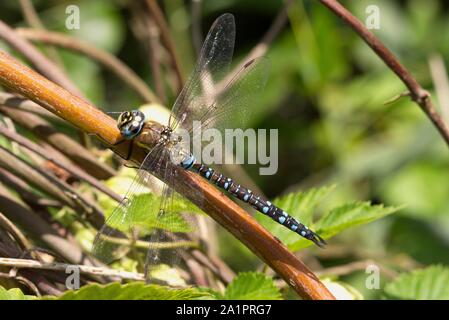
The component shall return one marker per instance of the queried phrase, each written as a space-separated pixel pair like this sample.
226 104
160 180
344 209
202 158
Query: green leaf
131 291
349 215
252 286
303 204
143 210
300 205
146 214
343 217
431 283
14 294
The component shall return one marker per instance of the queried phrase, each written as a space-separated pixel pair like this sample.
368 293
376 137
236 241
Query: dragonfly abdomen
257 202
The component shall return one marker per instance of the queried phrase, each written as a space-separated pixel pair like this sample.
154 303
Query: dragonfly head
130 123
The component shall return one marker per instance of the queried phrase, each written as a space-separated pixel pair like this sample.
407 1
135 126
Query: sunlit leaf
252 286
14 294
431 283
131 291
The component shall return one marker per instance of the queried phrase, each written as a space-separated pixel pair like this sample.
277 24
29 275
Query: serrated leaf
146 214
351 214
14 294
252 286
343 217
299 205
431 283
302 204
131 291
170 276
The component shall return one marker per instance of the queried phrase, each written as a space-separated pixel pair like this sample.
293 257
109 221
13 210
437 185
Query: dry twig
418 94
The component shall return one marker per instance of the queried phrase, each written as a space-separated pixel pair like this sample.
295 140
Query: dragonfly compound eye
130 123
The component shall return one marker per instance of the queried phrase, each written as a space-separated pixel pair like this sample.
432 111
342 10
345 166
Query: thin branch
42 64
10 227
55 266
157 245
197 33
27 194
39 228
33 20
29 106
122 71
351 267
30 14
418 94
21 279
52 186
69 168
167 40
61 142
154 53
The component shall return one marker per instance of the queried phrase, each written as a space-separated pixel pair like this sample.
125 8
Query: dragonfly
210 96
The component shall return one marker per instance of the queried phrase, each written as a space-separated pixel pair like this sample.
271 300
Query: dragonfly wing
212 66
115 238
231 103
172 231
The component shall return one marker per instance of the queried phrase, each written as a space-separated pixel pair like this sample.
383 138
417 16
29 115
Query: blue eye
130 132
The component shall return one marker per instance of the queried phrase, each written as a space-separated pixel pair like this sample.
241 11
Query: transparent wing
119 232
228 106
171 238
212 66
229 103
154 224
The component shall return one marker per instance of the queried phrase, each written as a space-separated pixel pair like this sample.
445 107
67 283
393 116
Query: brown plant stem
159 19
197 33
38 227
417 93
32 19
41 63
55 266
27 194
154 55
122 71
52 186
222 209
76 172
18 236
61 142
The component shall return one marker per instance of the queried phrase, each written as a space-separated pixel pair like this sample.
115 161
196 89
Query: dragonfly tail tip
320 242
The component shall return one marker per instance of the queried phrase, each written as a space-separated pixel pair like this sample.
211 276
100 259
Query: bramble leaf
14 294
431 283
252 286
131 291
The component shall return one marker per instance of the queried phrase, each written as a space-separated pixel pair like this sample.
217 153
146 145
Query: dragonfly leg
130 150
